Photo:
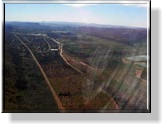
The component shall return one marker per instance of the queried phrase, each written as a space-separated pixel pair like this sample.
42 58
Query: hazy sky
112 14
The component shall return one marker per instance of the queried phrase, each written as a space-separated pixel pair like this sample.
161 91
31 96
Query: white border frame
147 2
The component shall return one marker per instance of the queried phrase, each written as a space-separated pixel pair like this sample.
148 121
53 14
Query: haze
111 14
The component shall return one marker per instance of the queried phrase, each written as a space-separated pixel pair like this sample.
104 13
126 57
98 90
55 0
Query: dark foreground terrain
69 67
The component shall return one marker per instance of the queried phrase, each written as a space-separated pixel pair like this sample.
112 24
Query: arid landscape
77 57
74 67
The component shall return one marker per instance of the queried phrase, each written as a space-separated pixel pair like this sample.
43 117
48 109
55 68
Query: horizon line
83 23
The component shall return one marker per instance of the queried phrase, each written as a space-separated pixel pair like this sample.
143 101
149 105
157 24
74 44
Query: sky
109 14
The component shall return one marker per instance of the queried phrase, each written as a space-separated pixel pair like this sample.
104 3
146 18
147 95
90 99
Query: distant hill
128 35
31 24
80 24
123 35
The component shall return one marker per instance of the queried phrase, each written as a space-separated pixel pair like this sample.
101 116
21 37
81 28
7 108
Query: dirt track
61 54
55 96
